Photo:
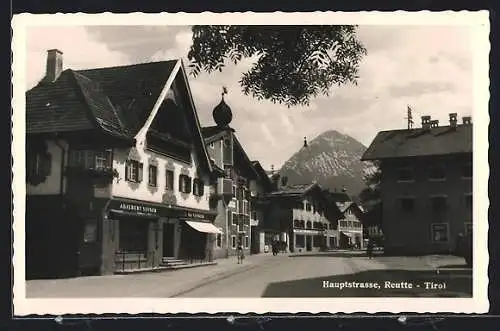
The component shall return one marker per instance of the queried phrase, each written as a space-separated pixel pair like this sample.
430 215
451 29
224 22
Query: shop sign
138 208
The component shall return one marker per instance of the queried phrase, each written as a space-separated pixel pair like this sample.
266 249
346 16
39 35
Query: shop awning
204 227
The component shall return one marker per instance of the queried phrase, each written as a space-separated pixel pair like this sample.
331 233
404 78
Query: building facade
118 177
237 216
297 216
426 185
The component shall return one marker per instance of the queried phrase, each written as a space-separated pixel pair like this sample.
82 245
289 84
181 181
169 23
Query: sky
426 67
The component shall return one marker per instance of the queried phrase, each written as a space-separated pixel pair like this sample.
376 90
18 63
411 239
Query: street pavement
319 275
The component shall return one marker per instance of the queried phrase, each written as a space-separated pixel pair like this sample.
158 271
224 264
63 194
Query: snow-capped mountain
333 159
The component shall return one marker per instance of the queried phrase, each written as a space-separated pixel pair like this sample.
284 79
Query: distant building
117 174
349 225
296 215
426 185
243 179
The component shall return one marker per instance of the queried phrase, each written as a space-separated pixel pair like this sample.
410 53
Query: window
230 218
468 228
438 204
233 242
169 180
254 215
245 208
405 175
39 165
468 201
308 225
212 145
234 191
198 187
90 159
437 172
467 171
308 206
133 171
407 205
247 242
184 184
133 235
153 176
218 240
439 232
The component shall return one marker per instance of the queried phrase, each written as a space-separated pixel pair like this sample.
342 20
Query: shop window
198 187
218 240
308 225
438 204
90 231
133 235
405 175
169 180
233 242
439 232
407 205
153 175
184 184
300 241
317 241
247 242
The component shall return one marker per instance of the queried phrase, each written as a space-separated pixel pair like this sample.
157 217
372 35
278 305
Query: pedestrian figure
369 248
240 254
274 248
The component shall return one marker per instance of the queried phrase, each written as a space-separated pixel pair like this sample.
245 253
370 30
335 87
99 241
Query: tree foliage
294 63
371 197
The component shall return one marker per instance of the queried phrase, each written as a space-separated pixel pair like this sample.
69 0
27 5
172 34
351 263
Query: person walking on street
369 248
239 252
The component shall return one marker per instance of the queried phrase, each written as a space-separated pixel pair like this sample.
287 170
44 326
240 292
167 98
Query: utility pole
409 117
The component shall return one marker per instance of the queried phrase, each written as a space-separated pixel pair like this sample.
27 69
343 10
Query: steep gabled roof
116 100
263 177
443 140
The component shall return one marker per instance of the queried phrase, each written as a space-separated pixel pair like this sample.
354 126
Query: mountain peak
332 158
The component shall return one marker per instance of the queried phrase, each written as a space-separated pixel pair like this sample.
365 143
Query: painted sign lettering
138 208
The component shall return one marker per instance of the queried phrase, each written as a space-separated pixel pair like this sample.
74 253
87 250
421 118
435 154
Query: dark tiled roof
442 140
213 132
339 197
116 99
293 190
262 174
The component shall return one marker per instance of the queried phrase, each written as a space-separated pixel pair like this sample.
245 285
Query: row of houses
120 175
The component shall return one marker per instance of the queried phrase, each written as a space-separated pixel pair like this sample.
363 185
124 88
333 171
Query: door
308 243
89 253
168 239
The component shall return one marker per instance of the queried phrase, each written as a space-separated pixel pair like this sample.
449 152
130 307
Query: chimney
54 65
466 120
426 122
434 123
453 120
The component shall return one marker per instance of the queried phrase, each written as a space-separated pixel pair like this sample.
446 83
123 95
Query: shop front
145 233
305 240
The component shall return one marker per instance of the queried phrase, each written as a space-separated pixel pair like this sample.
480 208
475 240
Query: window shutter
201 187
139 171
127 170
188 186
181 183
109 157
195 188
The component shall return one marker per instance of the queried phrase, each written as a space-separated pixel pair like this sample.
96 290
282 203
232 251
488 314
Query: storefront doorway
169 240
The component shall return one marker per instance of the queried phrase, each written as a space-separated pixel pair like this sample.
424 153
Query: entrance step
172 262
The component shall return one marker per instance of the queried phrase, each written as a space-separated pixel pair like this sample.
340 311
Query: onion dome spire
222 113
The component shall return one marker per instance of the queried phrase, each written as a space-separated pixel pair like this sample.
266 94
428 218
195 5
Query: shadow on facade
458 284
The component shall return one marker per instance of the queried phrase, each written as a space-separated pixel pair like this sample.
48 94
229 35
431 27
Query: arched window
308 225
